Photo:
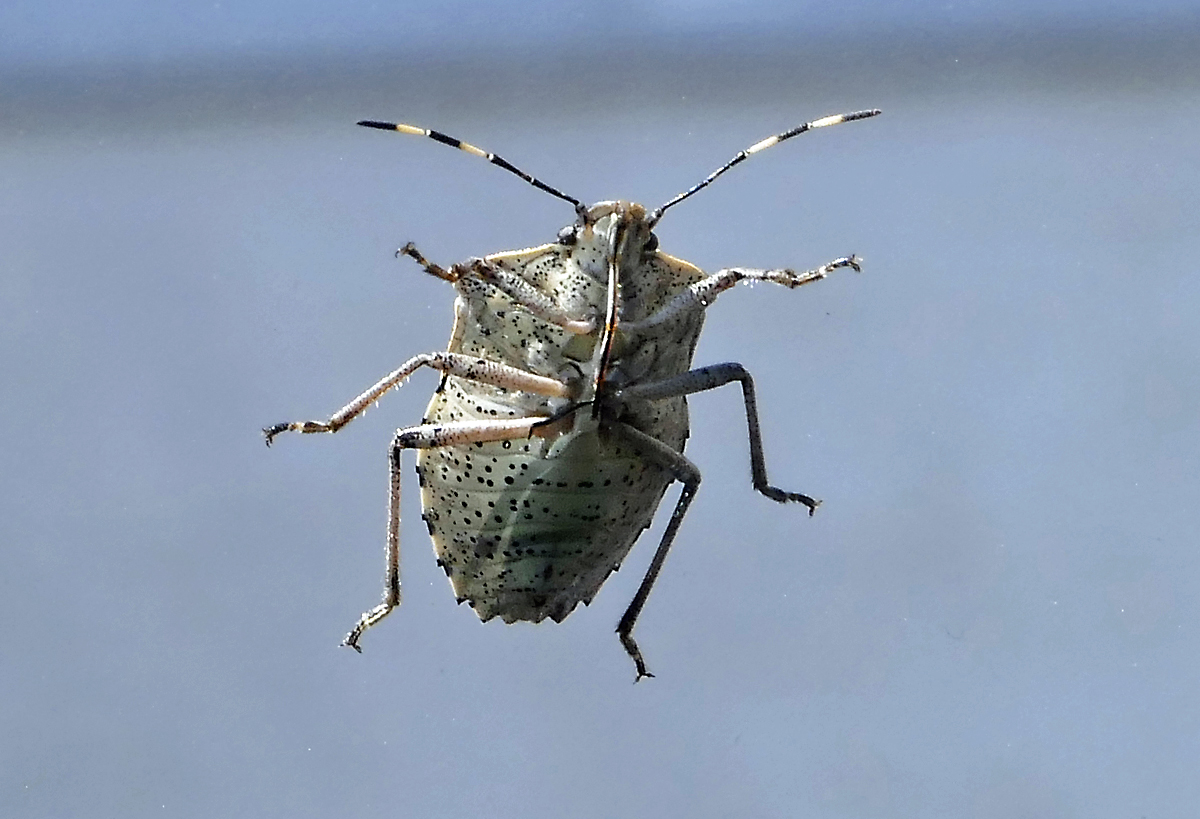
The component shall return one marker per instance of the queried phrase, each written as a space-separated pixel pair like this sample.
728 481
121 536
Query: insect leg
432 269
464 276
426 436
456 364
708 378
704 292
524 294
391 578
684 471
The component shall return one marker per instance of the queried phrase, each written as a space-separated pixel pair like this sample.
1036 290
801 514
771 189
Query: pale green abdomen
524 536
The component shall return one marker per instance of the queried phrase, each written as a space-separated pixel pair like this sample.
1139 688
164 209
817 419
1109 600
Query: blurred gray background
993 615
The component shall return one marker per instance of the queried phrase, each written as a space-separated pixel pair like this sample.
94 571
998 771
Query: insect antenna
580 208
836 119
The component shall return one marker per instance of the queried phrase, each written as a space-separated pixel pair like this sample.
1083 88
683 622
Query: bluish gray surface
48 32
993 614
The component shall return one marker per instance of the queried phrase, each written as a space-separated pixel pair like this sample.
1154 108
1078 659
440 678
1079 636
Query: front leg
700 295
470 274
462 366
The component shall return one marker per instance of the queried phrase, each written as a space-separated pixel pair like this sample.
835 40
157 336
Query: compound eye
651 244
567 236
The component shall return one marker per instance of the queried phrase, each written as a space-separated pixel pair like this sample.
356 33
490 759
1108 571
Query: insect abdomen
525 537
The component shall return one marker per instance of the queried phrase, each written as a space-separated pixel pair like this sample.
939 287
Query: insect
561 414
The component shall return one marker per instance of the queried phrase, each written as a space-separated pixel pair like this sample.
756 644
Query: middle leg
462 366
708 378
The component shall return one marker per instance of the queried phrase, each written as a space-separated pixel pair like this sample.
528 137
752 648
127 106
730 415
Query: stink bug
561 414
